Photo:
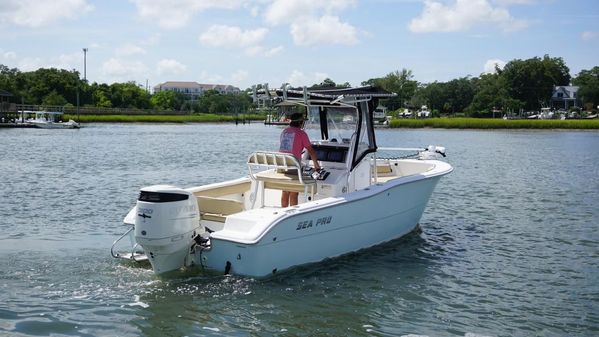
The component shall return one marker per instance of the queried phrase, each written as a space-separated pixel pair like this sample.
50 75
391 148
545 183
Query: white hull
53 125
360 221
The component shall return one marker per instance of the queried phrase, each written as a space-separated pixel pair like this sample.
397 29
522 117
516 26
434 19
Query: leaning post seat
280 171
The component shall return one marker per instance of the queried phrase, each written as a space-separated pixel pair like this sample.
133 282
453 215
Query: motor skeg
167 220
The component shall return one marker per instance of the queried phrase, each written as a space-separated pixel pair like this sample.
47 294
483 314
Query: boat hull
359 220
52 125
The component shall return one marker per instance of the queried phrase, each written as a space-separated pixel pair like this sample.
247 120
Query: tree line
59 87
521 84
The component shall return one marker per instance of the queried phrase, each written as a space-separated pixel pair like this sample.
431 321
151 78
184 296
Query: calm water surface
509 245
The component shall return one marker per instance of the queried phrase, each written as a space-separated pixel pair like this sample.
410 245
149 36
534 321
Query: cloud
490 65
313 21
206 77
121 70
177 13
64 61
31 64
274 51
9 55
232 37
588 36
170 67
239 76
263 51
506 3
34 13
327 29
298 78
129 50
70 61
292 11
463 15
151 40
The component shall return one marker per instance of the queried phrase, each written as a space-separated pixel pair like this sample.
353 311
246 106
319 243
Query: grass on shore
443 123
203 118
490 123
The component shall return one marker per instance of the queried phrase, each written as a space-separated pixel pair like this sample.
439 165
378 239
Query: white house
564 96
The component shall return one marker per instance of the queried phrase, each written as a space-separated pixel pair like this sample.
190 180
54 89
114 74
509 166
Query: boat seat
221 191
281 180
217 209
383 169
384 173
275 173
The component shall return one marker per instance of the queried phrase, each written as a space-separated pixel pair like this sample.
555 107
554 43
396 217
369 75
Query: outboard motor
166 223
432 152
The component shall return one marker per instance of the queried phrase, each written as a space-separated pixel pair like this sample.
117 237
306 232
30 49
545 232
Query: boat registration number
314 222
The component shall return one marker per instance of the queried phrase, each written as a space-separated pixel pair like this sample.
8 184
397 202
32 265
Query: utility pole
85 64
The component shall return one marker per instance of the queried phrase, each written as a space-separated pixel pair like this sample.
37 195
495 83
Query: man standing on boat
294 140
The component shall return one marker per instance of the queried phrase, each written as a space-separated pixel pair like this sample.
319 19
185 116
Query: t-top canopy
333 94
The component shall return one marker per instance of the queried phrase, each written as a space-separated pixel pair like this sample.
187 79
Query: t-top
294 140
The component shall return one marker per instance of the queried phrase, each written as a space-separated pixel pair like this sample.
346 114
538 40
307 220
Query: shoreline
434 123
496 124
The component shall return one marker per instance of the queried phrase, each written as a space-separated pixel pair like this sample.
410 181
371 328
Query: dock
16 125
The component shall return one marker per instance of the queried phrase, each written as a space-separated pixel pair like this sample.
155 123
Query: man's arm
313 156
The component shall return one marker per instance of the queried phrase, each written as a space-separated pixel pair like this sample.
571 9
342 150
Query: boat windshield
340 122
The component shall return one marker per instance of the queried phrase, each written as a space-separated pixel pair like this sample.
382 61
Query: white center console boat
357 201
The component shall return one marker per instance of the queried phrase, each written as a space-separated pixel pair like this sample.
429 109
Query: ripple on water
508 245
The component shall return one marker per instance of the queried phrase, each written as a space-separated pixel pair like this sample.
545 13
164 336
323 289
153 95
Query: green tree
167 100
129 95
54 99
44 84
588 81
328 83
531 81
8 81
490 92
101 95
400 82
458 94
434 95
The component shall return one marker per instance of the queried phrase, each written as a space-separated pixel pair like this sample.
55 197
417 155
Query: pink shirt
294 140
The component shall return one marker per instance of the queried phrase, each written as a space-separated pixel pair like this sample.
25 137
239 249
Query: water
509 245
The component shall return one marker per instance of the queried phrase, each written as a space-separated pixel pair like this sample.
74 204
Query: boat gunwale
368 192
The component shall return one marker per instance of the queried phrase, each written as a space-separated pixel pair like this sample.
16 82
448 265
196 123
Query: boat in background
424 112
50 120
380 116
405 113
546 113
360 198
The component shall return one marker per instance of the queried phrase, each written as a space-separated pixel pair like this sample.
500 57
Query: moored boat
50 120
358 200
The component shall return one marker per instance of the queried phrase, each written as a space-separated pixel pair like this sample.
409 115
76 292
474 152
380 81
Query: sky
300 42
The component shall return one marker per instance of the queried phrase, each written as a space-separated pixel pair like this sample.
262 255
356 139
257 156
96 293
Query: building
564 97
6 108
193 90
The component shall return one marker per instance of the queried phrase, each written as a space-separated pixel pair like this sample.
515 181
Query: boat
380 116
50 120
274 120
359 199
424 112
546 113
405 113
